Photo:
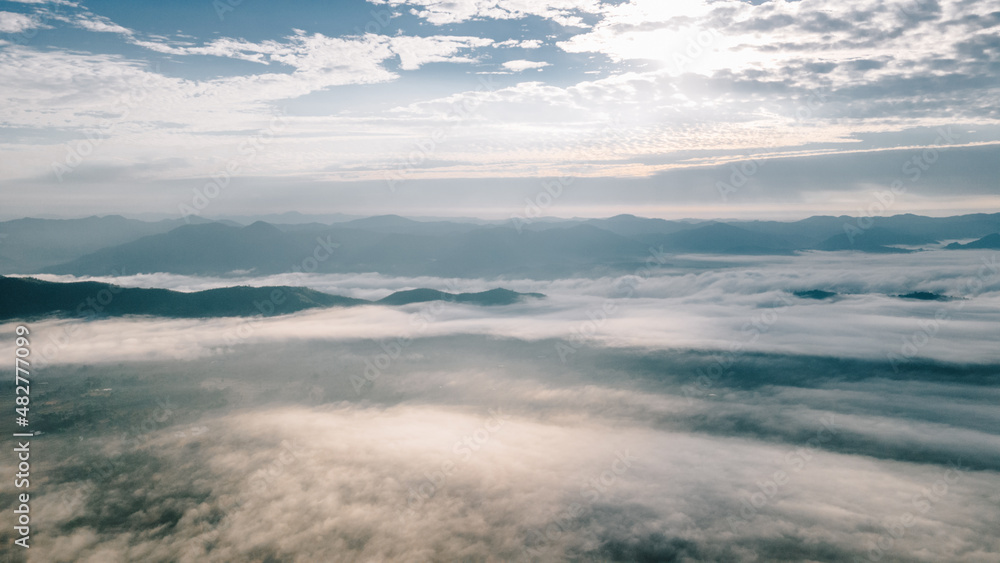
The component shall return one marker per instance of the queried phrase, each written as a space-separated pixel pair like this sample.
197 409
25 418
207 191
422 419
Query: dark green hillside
25 298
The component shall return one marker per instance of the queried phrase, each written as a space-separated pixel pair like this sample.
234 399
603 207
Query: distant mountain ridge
498 296
27 245
989 242
24 298
394 245
876 240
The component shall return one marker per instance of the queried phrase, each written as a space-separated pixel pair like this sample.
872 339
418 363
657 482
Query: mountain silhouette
989 242
397 246
498 296
876 240
25 298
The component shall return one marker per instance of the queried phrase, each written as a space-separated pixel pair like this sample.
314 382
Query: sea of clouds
699 414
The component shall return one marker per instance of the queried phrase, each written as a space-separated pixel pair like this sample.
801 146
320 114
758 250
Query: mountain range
989 242
25 298
394 245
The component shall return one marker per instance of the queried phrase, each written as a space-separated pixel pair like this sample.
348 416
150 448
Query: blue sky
472 107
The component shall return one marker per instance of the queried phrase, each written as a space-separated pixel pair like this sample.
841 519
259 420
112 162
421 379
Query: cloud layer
749 306
501 451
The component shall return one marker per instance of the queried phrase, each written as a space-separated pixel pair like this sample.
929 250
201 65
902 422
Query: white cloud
415 52
318 53
729 36
521 65
11 22
687 76
523 44
64 81
564 12
100 24
699 310
54 2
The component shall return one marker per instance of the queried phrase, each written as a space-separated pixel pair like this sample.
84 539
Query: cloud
415 52
481 448
748 305
761 41
53 2
563 12
11 22
523 44
522 65
686 84
127 85
100 24
319 53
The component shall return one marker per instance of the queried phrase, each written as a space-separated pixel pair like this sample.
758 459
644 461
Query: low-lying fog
748 304
686 415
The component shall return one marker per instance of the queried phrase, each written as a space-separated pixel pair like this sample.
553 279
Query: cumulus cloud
417 51
521 65
11 22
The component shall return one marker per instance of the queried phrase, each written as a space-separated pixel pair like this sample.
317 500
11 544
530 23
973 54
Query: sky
496 108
